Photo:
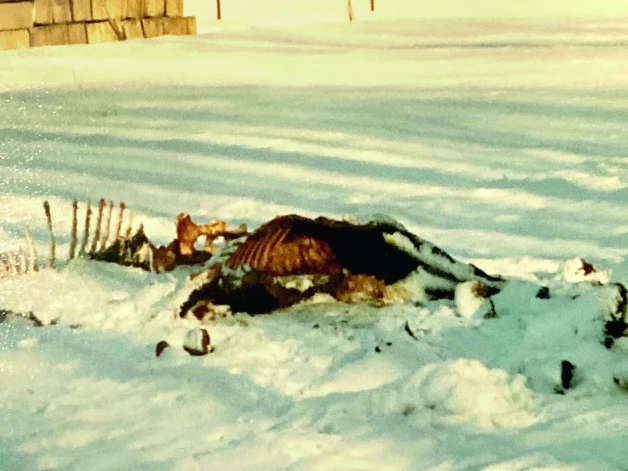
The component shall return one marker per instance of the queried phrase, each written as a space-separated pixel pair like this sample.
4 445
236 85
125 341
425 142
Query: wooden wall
58 22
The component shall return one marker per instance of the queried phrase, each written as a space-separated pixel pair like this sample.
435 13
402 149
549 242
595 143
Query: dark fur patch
543 293
566 373
615 329
623 302
160 347
29 316
126 252
408 330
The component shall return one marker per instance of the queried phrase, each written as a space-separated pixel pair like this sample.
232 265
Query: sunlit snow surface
509 150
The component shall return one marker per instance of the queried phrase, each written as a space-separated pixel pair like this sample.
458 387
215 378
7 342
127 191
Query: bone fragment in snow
129 226
101 206
22 266
88 215
160 347
120 218
12 259
74 229
51 259
32 252
4 268
105 235
188 232
197 342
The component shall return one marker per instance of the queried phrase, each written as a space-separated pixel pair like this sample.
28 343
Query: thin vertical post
105 235
101 206
74 224
31 251
21 258
13 268
120 219
218 13
129 226
51 259
372 5
88 214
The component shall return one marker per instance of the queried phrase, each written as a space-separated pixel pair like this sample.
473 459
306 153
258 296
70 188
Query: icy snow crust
508 151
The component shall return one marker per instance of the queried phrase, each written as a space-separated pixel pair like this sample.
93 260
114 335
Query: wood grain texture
191 24
152 27
175 26
100 32
81 10
132 29
135 9
14 39
50 35
77 33
14 16
154 8
116 9
99 10
61 11
174 8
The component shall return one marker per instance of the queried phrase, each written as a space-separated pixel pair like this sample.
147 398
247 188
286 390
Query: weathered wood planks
61 22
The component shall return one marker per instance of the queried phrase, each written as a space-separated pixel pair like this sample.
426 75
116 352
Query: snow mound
565 340
464 391
373 219
533 462
472 300
577 270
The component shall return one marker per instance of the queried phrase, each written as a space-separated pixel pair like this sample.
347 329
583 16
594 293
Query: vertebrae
122 245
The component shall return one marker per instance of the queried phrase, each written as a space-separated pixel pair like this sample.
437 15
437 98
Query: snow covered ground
505 143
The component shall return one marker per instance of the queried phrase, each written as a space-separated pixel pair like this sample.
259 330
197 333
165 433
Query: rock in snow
197 342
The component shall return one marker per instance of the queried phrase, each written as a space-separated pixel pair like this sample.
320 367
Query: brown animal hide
358 262
286 246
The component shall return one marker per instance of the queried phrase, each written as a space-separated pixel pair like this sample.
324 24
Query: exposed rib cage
296 245
280 247
25 260
122 245
13 263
